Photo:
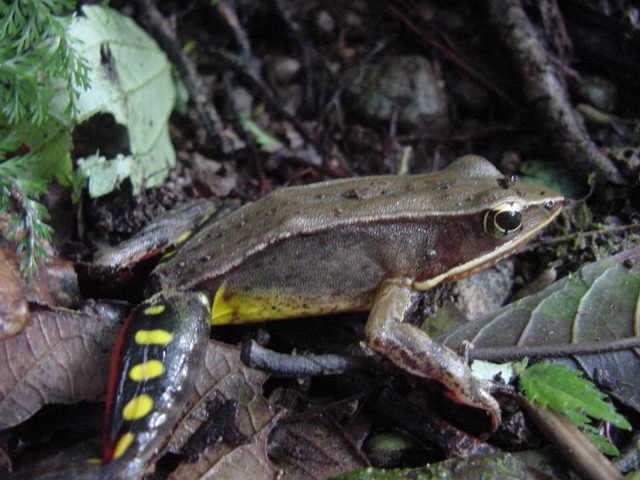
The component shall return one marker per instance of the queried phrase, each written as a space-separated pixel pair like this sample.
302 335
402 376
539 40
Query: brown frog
368 243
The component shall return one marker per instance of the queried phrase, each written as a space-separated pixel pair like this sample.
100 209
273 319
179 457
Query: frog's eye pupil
503 220
508 220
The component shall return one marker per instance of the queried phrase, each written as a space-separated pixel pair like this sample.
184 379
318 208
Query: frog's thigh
415 352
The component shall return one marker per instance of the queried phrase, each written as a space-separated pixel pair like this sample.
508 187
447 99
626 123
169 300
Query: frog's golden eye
503 220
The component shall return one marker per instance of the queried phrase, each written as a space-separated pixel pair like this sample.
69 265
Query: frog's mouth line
478 264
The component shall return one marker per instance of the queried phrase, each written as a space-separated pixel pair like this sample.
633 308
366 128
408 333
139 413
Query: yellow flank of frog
238 307
229 308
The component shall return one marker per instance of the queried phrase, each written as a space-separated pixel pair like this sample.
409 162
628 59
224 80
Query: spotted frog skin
361 244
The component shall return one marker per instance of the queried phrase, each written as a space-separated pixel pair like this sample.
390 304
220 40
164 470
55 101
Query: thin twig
572 236
560 350
198 90
572 444
452 57
546 92
259 85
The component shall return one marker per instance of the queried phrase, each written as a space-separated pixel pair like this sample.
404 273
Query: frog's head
495 216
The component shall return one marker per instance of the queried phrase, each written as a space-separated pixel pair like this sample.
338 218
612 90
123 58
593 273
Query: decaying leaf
312 448
14 308
56 284
224 375
61 357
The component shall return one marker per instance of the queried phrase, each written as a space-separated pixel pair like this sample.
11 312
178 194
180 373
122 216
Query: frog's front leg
415 352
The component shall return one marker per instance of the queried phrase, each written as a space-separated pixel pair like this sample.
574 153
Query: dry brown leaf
61 357
314 449
226 376
56 284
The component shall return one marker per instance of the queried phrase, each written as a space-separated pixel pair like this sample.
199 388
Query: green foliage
35 58
564 390
266 142
27 225
501 466
36 65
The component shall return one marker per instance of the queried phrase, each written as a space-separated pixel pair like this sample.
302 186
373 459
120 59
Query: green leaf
564 390
48 145
599 303
34 58
24 178
131 80
103 176
265 141
599 441
503 466
489 371
27 224
36 64
551 175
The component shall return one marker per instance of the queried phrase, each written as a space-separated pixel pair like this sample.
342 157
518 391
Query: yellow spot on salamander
146 370
168 254
137 407
122 444
182 237
154 310
94 461
207 217
153 337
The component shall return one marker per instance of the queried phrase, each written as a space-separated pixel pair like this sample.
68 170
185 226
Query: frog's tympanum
367 243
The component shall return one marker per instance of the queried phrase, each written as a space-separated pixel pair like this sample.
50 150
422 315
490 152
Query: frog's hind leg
155 361
415 352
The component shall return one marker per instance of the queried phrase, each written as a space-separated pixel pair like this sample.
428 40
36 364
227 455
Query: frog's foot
415 352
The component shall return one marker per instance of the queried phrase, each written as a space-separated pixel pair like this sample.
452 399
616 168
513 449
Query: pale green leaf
105 176
265 141
131 79
488 370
